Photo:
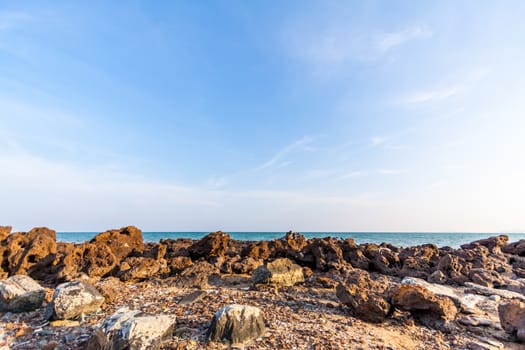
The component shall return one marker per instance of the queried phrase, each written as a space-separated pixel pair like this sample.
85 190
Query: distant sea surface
400 239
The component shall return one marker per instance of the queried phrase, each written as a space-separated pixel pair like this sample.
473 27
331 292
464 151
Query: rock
515 248
323 254
258 251
138 269
64 323
193 297
198 275
30 253
466 302
280 272
431 310
492 291
475 321
512 318
4 232
236 325
72 299
212 245
417 261
494 244
20 293
487 278
365 296
96 260
246 265
127 329
122 243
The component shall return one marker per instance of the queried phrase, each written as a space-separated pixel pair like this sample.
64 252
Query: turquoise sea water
401 239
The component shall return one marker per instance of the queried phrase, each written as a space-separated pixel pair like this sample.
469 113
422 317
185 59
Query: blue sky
331 116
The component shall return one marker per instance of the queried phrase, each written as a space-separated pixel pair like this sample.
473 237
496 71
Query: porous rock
72 299
212 245
122 242
236 325
20 293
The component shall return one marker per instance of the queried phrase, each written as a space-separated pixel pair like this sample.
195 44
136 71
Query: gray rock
20 293
193 297
492 291
281 272
236 325
129 329
73 299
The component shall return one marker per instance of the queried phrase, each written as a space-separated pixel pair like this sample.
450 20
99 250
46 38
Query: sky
263 115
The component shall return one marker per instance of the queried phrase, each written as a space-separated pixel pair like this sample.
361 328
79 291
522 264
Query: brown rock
257 250
280 272
365 296
139 269
323 254
418 261
122 243
212 245
431 310
246 265
515 248
110 288
179 263
4 232
197 276
494 244
96 260
30 253
512 318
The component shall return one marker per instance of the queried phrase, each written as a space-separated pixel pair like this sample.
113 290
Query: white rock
20 293
236 325
73 299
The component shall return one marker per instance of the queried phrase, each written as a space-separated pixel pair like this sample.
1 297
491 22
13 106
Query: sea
400 239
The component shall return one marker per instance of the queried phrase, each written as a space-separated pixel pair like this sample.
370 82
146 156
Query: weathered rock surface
72 299
366 297
30 253
20 293
122 243
4 232
132 330
138 269
236 325
197 275
323 254
212 245
431 310
512 318
281 272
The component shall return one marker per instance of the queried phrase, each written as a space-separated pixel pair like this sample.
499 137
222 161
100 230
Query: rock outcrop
73 299
20 293
212 245
122 243
236 325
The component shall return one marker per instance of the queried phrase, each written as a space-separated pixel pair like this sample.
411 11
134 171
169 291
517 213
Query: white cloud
392 171
431 95
354 174
292 147
388 41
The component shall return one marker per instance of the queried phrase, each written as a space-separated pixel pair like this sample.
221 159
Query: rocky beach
118 292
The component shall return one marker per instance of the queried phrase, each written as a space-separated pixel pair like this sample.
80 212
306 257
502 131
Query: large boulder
212 245
236 325
134 330
122 243
417 261
512 318
280 272
30 253
430 309
73 299
20 293
365 296
515 248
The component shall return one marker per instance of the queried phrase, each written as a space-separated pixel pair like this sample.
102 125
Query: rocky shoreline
117 292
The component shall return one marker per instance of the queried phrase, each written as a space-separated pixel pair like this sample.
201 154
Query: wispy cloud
354 174
389 41
277 159
431 95
392 171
